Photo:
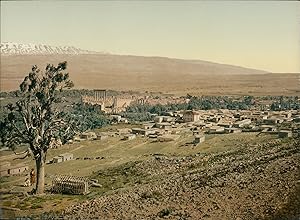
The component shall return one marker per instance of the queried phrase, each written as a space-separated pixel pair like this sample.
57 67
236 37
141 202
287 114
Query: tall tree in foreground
35 119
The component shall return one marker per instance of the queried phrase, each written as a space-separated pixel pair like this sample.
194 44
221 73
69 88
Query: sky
256 34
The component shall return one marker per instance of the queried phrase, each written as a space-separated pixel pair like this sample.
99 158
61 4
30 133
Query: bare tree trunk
40 174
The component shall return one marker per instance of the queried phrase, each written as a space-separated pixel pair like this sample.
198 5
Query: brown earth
237 176
154 74
250 182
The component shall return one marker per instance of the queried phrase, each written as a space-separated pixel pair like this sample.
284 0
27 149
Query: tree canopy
35 119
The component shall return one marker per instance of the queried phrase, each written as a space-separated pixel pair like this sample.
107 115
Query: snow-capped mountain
9 48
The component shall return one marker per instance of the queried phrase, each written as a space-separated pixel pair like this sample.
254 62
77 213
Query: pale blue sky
263 35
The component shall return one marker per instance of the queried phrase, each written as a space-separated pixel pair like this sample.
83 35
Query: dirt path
106 148
139 145
77 148
113 162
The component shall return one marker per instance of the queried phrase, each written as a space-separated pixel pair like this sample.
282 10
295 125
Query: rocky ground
250 182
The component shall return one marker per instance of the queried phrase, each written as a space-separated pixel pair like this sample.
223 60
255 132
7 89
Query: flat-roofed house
167 119
123 131
216 129
233 130
242 123
144 132
129 137
57 159
225 124
199 139
285 133
102 136
254 117
158 119
191 116
287 114
137 130
268 128
273 121
168 137
66 156
88 135
116 118
215 118
163 125
148 125
17 169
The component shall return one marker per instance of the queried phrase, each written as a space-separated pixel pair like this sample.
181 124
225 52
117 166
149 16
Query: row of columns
100 95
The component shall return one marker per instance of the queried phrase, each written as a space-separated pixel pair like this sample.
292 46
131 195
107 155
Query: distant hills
92 70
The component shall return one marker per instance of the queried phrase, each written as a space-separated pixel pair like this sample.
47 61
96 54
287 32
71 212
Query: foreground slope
236 176
257 181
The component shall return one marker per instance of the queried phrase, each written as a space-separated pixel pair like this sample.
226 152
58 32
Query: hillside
249 182
236 176
122 72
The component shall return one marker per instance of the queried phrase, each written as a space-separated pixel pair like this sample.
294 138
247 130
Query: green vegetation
165 212
122 176
33 119
139 112
87 116
285 103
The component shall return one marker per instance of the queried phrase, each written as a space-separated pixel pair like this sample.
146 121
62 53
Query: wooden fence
70 184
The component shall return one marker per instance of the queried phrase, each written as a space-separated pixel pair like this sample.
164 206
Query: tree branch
27 154
26 151
21 135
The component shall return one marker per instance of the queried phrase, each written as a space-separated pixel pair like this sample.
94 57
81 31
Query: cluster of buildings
173 124
234 121
169 127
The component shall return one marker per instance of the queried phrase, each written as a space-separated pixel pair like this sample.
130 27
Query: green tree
88 116
35 118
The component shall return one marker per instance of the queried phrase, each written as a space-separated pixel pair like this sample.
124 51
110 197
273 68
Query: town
129 110
189 127
144 146
134 154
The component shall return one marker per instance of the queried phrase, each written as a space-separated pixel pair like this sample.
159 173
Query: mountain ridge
145 73
12 48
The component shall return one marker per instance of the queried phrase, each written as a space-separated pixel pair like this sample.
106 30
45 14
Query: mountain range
93 70
10 48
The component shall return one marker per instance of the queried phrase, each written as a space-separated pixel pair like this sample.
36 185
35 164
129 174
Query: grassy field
116 156
116 151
